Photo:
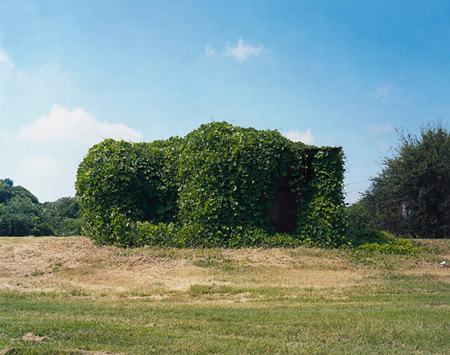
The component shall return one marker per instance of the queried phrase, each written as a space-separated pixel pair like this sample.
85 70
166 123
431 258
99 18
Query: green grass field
67 296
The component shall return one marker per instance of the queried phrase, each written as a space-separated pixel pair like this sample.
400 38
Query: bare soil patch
33 337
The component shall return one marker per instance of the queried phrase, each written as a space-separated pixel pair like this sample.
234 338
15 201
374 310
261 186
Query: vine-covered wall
215 187
321 198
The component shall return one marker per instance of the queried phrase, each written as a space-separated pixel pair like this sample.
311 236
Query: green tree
411 195
20 212
63 215
5 191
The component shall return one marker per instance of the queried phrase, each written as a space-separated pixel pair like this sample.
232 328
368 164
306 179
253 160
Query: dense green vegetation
211 188
21 214
411 195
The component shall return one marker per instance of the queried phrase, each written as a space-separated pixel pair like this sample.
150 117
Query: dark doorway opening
283 213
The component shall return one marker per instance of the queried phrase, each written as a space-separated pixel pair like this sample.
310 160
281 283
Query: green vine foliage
213 187
120 183
321 217
227 179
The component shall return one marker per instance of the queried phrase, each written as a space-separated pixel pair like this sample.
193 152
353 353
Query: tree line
21 213
411 195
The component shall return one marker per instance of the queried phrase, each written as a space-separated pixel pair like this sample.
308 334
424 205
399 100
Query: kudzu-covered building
220 185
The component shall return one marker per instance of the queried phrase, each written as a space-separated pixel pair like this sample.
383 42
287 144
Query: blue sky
334 73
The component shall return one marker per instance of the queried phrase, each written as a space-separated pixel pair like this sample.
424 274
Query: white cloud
304 137
209 51
58 141
43 156
76 126
243 51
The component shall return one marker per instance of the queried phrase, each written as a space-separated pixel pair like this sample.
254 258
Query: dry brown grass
75 263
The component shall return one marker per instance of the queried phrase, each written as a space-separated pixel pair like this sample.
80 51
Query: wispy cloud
244 51
380 129
383 144
3 57
305 137
76 126
209 51
383 91
5 61
388 91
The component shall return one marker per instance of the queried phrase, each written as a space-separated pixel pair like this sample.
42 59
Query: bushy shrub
358 216
373 241
364 236
397 246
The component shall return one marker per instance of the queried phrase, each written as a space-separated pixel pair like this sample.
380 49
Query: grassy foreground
67 296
